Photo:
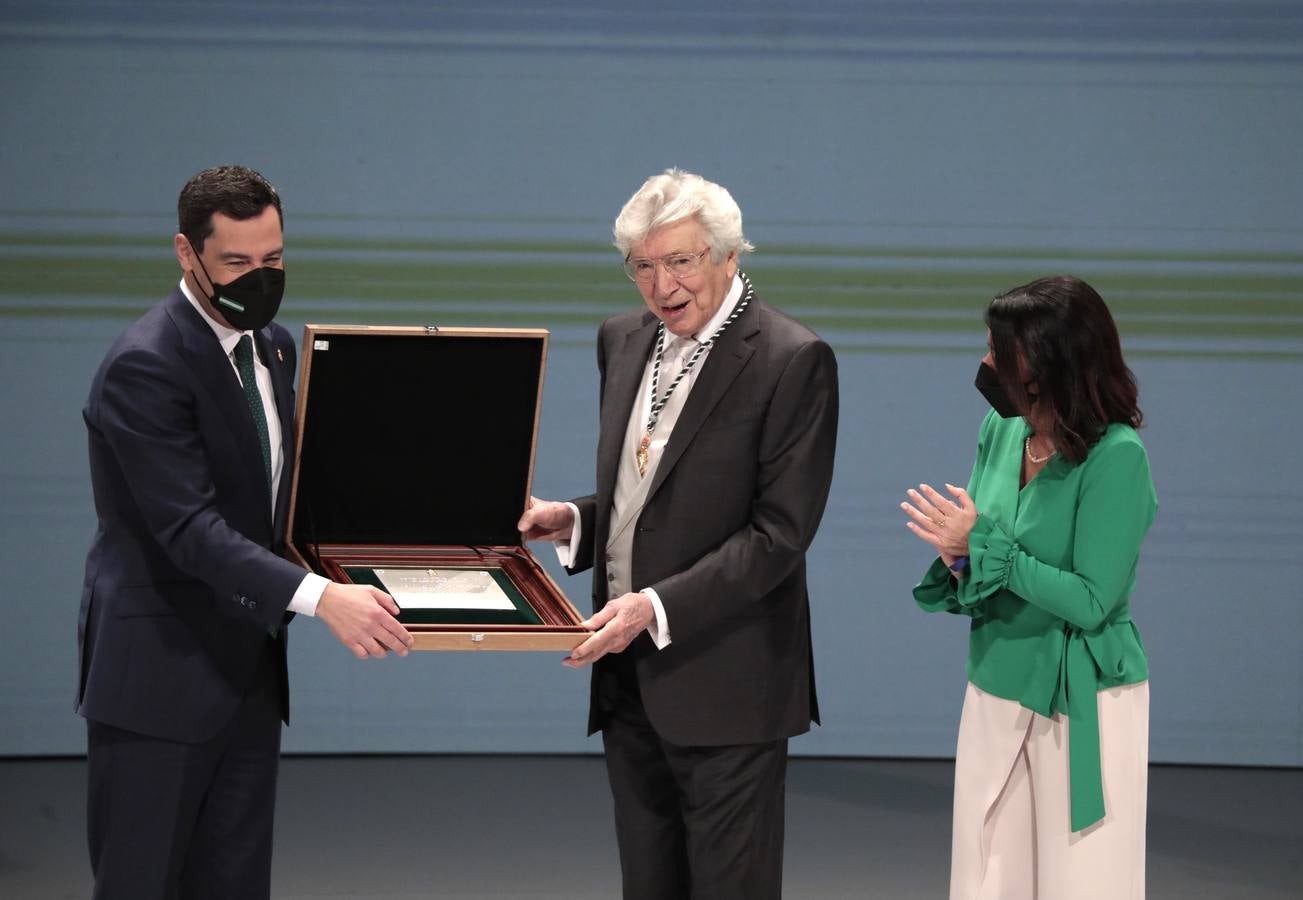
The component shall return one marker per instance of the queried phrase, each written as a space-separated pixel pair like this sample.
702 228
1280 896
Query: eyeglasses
679 265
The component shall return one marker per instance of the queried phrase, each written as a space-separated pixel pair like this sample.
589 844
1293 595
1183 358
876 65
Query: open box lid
415 436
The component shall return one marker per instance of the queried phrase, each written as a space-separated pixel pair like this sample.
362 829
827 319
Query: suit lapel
213 370
282 389
625 365
727 358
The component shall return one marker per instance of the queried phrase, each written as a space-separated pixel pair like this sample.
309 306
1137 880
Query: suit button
610 576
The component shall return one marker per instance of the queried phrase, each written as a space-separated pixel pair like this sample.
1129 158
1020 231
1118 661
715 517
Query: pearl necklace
1037 460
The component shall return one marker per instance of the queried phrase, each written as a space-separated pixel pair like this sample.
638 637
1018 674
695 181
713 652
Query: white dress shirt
309 592
659 628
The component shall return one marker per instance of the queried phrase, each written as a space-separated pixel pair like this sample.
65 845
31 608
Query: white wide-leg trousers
1012 837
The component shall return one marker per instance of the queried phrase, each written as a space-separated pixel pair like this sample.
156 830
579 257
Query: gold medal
643 454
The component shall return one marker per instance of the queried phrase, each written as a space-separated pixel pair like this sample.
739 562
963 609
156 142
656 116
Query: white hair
674 196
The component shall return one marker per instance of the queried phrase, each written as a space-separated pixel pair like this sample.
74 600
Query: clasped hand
616 624
546 520
364 619
614 627
940 521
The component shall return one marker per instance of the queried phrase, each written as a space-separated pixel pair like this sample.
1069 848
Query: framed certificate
414 460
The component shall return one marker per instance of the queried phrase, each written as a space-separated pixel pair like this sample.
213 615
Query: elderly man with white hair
714 460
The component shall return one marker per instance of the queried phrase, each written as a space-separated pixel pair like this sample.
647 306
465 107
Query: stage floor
538 827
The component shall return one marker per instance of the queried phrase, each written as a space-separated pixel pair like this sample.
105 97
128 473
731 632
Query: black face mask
251 301
990 386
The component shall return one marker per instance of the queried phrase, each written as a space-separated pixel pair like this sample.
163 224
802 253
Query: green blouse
1053 565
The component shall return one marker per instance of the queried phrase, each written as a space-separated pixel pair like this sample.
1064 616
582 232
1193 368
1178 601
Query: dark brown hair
234 191
1065 334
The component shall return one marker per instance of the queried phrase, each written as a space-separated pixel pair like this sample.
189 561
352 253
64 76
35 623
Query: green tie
244 364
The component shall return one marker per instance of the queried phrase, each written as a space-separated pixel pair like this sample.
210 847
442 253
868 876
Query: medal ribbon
657 405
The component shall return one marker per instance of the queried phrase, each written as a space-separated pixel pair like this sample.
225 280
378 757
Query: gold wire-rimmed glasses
679 265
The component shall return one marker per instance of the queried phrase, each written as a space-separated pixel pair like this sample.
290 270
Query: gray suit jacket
734 504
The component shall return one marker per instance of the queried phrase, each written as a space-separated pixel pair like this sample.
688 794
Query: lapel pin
280 357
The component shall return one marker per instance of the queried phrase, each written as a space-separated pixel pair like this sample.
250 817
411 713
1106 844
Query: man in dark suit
186 597
715 456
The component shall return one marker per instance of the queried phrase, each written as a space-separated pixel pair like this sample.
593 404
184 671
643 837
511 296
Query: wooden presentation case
416 449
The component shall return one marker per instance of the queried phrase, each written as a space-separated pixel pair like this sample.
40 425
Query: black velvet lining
422 439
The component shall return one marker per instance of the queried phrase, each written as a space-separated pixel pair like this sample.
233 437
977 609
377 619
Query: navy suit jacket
184 581
733 506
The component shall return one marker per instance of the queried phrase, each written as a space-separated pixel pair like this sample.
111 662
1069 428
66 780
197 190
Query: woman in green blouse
1040 551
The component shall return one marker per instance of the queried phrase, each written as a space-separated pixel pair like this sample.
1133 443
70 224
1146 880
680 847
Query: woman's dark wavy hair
1069 342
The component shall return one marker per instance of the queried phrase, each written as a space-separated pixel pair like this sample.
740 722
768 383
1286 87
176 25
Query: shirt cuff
305 599
660 628
564 552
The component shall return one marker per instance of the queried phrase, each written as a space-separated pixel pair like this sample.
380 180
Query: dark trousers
693 823
173 821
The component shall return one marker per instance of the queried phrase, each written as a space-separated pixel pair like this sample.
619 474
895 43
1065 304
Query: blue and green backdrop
896 163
